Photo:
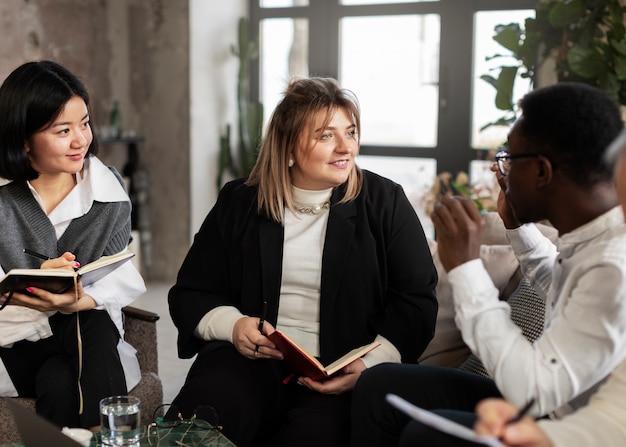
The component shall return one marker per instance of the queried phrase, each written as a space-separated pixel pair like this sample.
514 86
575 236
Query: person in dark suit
336 252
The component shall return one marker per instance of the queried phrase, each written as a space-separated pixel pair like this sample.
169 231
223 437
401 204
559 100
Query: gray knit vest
104 230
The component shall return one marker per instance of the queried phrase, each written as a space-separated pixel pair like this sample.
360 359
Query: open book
301 363
440 423
61 280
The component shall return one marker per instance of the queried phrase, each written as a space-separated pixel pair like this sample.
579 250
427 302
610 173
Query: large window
414 65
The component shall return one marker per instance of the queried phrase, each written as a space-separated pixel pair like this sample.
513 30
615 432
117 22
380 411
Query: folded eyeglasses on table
170 428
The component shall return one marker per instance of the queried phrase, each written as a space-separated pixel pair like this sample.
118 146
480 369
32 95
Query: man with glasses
602 421
503 160
554 170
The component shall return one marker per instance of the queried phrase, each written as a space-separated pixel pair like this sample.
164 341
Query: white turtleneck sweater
299 311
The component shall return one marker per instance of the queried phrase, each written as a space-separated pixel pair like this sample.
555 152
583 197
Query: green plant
585 38
250 114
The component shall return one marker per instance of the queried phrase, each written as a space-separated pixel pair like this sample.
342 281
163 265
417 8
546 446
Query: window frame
453 151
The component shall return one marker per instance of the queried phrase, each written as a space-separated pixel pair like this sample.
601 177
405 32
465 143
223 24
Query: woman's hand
251 343
44 301
66 261
339 384
493 419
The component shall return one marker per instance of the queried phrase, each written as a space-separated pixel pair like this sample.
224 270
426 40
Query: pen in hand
261 321
44 257
522 412
36 255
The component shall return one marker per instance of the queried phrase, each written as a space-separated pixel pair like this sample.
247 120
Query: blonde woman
340 258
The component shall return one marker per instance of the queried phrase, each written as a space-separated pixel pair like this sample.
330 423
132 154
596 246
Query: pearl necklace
312 209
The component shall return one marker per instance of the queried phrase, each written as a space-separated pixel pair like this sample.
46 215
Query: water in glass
120 421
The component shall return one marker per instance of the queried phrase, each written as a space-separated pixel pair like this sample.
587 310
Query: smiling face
325 157
60 148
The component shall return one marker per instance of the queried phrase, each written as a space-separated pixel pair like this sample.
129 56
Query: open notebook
61 280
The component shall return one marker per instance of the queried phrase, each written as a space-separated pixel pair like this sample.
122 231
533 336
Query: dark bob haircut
31 98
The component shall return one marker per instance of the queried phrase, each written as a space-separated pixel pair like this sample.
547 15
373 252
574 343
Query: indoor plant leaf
490 80
585 40
620 67
504 94
508 36
566 13
502 121
619 46
586 62
610 84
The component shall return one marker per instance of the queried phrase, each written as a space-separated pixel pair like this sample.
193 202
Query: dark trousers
377 423
256 408
47 370
431 437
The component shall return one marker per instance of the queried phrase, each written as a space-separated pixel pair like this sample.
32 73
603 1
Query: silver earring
291 162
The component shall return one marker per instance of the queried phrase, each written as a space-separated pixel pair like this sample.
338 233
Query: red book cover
303 364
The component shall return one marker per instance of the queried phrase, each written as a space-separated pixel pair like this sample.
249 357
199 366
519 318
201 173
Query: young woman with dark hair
66 350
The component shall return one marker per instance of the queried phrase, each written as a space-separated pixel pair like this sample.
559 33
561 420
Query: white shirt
116 290
583 281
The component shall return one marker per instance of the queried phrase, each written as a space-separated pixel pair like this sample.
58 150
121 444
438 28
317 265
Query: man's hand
504 208
459 228
493 419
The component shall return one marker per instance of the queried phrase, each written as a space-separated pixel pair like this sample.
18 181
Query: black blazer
378 276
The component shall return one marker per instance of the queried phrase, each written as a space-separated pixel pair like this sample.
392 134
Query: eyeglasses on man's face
503 159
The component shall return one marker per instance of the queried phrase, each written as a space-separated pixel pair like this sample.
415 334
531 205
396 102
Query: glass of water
120 420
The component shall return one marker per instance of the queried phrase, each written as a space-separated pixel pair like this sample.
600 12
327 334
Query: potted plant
585 39
239 163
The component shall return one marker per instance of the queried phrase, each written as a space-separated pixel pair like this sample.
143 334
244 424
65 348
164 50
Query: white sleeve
116 290
536 255
385 353
218 324
569 358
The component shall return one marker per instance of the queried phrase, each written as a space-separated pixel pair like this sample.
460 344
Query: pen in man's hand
522 412
36 255
262 321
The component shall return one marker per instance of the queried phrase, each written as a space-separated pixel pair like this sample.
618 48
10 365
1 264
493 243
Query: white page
440 423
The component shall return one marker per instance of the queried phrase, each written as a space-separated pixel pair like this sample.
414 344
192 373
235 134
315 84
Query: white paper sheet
440 423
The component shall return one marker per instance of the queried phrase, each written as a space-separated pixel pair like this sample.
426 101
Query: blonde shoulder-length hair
293 118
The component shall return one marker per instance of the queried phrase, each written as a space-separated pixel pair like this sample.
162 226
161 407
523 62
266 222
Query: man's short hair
572 124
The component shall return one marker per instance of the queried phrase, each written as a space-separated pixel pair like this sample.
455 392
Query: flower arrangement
484 193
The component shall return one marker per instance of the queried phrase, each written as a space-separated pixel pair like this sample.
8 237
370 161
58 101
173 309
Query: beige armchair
140 328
